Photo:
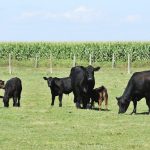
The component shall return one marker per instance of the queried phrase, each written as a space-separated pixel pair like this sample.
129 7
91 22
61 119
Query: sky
74 20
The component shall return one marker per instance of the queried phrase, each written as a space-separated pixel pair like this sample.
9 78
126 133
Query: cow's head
49 80
123 104
90 72
2 84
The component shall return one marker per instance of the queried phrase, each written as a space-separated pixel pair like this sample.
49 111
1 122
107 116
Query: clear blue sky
74 20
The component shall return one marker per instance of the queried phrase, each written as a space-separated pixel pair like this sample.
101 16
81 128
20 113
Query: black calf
59 86
13 88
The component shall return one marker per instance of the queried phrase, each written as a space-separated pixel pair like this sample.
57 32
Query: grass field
37 125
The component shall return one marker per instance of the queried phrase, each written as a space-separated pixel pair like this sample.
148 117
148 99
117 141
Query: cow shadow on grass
142 113
102 109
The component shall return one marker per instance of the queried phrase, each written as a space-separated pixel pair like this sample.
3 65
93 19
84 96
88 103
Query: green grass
37 125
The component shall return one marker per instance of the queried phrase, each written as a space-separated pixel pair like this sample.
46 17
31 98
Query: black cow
137 88
83 82
99 95
13 88
59 86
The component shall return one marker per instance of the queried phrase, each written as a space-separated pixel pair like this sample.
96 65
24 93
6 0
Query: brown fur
99 95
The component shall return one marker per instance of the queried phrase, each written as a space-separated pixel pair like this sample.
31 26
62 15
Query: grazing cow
13 88
137 88
59 86
99 95
83 82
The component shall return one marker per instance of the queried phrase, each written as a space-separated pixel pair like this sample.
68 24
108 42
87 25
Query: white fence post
113 60
90 60
10 65
74 60
36 61
50 60
129 64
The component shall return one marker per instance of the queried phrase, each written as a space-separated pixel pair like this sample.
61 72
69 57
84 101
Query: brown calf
99 95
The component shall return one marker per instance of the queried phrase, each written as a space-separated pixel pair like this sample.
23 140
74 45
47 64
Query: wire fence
53 63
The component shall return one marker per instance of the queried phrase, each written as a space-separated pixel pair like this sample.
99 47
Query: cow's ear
45 78
96 69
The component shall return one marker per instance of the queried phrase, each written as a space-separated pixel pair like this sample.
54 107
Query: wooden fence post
10 64
113 61
50 60
90 59
74 60
129 64
36 61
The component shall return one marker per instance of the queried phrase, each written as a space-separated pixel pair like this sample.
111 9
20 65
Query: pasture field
37 125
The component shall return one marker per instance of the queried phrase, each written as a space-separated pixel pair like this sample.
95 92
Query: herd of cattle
81 82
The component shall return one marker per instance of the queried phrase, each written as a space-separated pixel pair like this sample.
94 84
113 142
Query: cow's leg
75 99
88 105
85 101
53 99
134 105
78 101
15 101
84 104
99 103
148 104
60 100
78 105
92 104
19 101
106 101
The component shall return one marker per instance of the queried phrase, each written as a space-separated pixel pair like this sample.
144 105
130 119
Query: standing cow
137 88
13 88
83 82
59 86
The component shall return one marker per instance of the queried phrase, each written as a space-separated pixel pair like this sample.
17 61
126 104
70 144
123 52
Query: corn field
100 51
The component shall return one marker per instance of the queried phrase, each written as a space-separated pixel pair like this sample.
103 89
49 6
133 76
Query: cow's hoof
133 113
15 105
78 106
60 105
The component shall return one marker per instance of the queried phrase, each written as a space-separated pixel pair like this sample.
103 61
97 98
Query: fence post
74 60
36 61
50 60
113 61
129 64
90 60
10 65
